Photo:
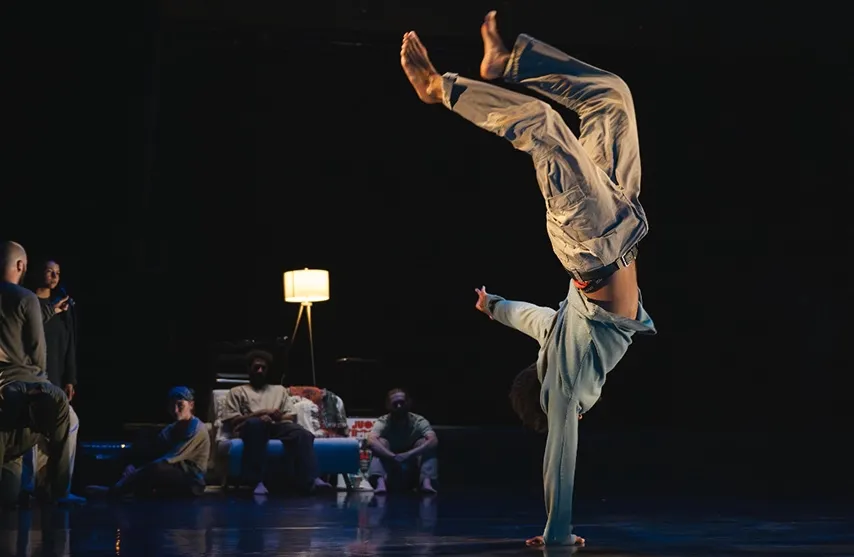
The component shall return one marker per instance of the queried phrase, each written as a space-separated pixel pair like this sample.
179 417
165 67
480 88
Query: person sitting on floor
180 471
403 445
260 411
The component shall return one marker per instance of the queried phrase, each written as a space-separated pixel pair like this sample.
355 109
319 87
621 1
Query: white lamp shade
306 285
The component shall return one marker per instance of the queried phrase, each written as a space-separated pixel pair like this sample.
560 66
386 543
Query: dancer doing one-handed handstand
594 220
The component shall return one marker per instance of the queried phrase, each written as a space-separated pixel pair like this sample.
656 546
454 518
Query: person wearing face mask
261 411
184 447
402 444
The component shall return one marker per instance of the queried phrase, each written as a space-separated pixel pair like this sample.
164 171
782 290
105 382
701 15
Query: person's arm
49 310
233 415
287 410
532 320
237 420
374 439
190 449
33 333
425 430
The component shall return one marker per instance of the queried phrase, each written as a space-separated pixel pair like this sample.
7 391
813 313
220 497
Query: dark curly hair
259 355
525 399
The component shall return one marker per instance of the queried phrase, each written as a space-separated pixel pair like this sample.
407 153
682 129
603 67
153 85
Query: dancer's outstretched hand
482 298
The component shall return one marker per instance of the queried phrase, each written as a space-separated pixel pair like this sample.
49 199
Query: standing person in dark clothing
30 407
60 342
60 331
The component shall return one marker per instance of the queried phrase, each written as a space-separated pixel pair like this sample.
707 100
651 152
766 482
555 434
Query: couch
334 455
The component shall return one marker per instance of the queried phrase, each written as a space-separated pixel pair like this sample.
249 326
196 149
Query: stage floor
457 522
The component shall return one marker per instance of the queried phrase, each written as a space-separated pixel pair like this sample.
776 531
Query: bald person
22 345
31 408
23 352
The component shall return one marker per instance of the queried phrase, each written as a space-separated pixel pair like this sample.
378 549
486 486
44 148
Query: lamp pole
305 287
307 307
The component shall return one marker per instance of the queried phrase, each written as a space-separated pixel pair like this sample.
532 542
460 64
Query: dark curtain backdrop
177 171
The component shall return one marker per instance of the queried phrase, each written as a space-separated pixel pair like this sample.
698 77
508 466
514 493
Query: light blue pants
35 460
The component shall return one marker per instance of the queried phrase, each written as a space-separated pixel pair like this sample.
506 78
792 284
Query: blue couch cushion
334 455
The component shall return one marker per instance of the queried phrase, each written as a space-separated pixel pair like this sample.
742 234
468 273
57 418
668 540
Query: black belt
604 272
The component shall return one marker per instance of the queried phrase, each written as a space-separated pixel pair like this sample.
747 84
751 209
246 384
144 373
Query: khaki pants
34 464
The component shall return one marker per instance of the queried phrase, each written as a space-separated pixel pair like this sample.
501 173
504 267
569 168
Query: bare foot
381 488
97 490
537 541
417 66
260 489
321 484
495 54
427 487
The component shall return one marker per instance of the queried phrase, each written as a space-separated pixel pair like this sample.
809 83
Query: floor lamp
304 287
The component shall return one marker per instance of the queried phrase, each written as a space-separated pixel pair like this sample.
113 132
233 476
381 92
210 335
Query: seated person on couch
260 411
184 447
403 446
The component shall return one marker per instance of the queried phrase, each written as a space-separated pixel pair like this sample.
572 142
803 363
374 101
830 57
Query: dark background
176 161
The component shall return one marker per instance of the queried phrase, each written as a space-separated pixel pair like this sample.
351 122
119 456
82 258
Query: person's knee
427 453
74 421
47 388
304 436
253 425
161 469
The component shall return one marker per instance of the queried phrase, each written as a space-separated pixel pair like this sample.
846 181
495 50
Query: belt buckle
624 259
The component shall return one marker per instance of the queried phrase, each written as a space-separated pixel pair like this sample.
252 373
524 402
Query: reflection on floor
452 523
